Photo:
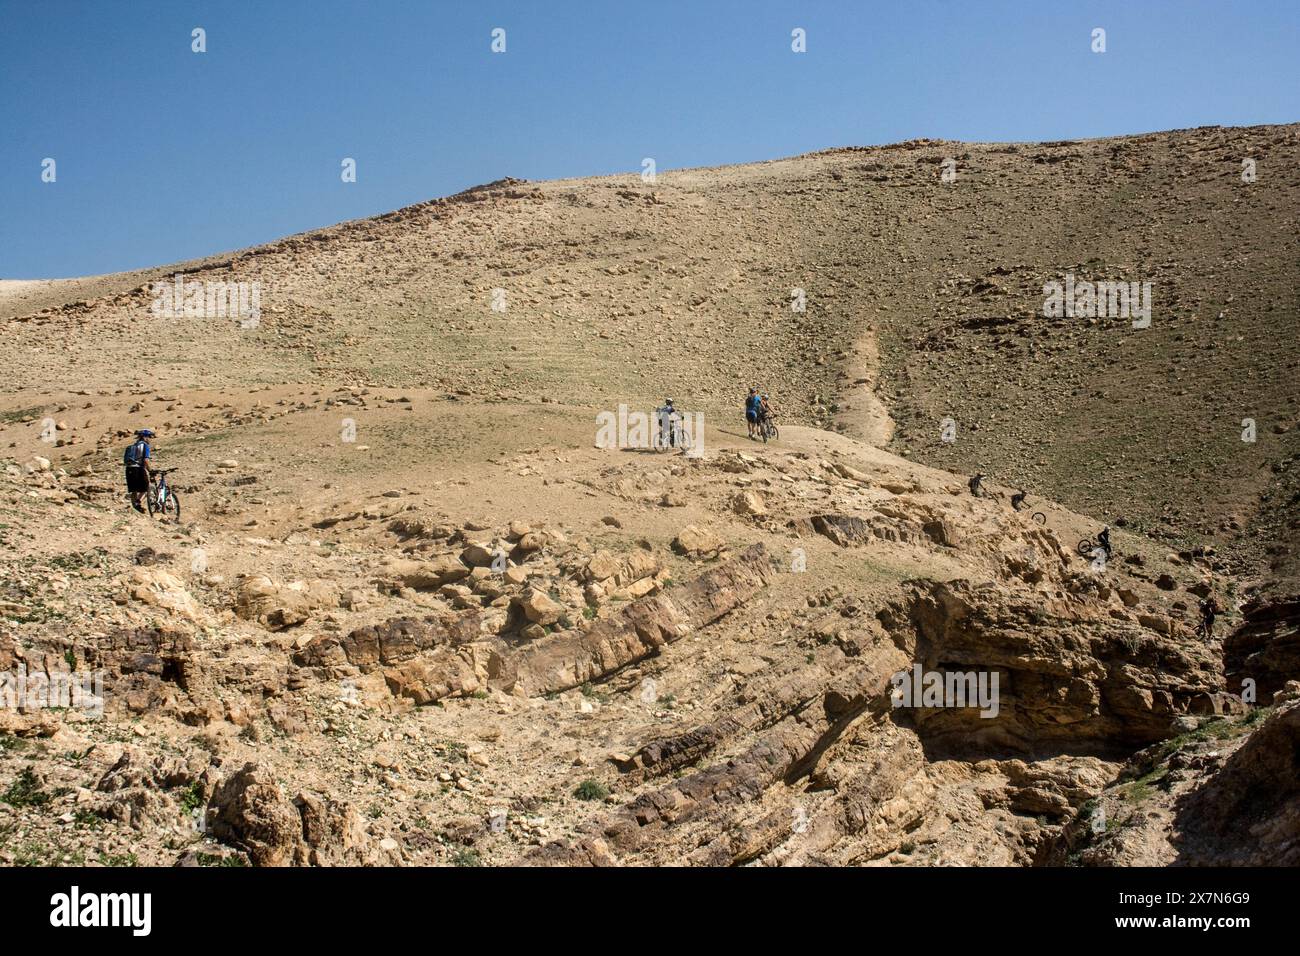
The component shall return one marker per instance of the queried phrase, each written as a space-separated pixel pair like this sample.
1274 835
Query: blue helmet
145 433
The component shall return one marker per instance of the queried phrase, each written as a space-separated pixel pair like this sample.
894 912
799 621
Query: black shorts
136 481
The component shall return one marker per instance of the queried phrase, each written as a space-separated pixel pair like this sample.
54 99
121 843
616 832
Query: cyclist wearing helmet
668 418
136 459
751 410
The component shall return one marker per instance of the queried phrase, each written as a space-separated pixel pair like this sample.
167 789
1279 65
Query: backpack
133 457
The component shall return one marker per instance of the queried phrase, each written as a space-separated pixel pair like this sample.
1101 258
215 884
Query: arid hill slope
620 290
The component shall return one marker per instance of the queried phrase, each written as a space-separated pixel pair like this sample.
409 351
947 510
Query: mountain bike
1018 503
161 498
1088 545
767 429
674 436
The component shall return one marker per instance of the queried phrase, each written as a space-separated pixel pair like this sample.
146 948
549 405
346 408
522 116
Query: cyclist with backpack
752 404
136 460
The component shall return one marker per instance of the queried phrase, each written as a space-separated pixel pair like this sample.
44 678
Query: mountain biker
136 460
1017 500
1209 610
752 404
1103 541
975 483
668 418
765 411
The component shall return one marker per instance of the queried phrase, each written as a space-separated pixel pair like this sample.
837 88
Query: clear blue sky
164 154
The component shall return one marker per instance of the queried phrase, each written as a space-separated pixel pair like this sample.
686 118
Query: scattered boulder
424 575
695 541
279 606
162 589
538 607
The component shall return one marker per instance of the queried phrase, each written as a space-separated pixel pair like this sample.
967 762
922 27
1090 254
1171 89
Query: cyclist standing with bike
752 404
669 423
765 413
136 459
1210 609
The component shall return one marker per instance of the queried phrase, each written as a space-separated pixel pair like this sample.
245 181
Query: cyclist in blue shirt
136 459
751 410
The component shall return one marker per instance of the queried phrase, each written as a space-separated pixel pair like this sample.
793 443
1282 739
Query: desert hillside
410 613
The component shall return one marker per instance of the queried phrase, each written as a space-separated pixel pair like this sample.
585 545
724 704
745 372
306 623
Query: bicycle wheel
151 501
1086 547
172 505
1039 518
771 430
765 430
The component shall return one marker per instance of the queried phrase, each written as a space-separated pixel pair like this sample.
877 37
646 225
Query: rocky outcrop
389 642
422 660
160 588
571 658
1248 813
696 541
435 657
250 811
1265 648
1225 793
1070 677
707 800
147 792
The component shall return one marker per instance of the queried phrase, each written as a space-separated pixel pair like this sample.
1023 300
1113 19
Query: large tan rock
696 541
250 811
637 565
749 503
162 589
602 566
425 575
278 606
478 554
390 642
538 607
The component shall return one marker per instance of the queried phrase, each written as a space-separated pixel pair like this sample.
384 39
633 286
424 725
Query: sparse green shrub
26 791
591 790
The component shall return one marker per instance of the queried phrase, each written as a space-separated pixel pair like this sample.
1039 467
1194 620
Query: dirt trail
862 412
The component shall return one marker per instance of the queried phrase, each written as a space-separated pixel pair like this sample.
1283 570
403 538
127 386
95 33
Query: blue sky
164 154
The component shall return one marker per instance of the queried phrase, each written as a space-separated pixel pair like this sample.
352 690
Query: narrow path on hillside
862 414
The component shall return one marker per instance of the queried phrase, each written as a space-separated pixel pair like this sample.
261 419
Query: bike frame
160 492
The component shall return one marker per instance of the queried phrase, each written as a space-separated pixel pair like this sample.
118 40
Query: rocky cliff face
1226 793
